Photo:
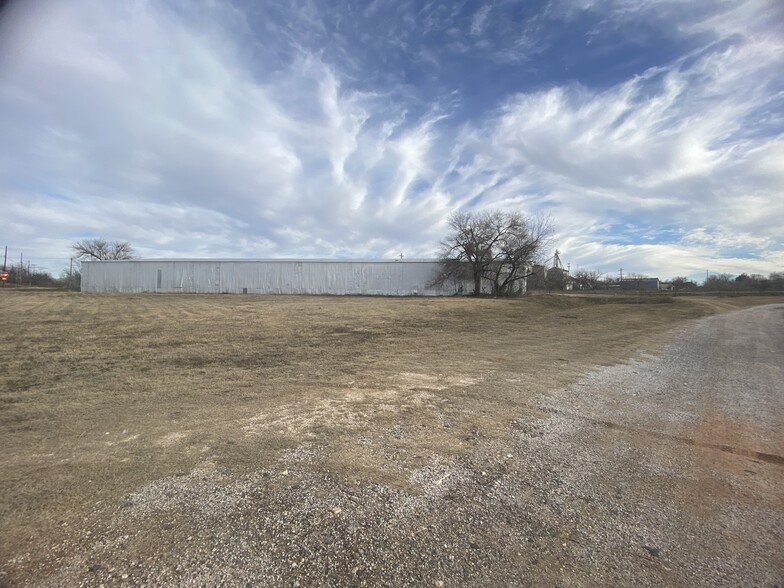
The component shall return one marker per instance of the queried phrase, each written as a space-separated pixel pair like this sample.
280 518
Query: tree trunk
477 283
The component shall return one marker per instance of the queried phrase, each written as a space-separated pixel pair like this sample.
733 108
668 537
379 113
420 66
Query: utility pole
21 269
70 273
620 271
5 257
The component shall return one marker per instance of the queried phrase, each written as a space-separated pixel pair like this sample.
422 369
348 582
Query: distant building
379 277
554 278
640 284
537 278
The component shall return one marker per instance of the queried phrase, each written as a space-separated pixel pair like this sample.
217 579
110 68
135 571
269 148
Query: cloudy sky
651 130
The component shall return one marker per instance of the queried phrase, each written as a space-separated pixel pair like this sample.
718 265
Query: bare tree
496 246
587 279
101 249
776 280
719 282
680 283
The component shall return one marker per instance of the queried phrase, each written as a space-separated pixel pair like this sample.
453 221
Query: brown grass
101 394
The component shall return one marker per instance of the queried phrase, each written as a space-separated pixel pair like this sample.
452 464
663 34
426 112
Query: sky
651 131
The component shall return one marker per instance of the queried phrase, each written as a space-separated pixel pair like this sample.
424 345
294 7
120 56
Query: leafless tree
680 283
719 282
587 279
495 245
101 249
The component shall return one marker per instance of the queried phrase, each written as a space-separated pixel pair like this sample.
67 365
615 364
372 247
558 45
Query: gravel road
679 458
666 471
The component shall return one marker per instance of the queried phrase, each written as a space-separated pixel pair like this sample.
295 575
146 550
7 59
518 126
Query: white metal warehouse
407 277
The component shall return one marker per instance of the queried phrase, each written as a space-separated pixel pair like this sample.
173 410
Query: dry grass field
103 395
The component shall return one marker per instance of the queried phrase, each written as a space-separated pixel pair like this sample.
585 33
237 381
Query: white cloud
687 145
187 133
479 20
149 114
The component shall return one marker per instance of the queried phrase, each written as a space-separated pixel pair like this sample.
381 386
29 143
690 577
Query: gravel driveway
665 471
678 460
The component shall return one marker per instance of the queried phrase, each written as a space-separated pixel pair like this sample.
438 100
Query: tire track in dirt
761 455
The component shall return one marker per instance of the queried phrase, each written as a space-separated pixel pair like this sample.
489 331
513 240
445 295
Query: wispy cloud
479 20
215 129
690 144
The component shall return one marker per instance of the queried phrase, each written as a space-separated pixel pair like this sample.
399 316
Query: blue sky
652 131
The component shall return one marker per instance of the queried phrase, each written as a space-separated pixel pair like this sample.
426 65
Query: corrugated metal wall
372 277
